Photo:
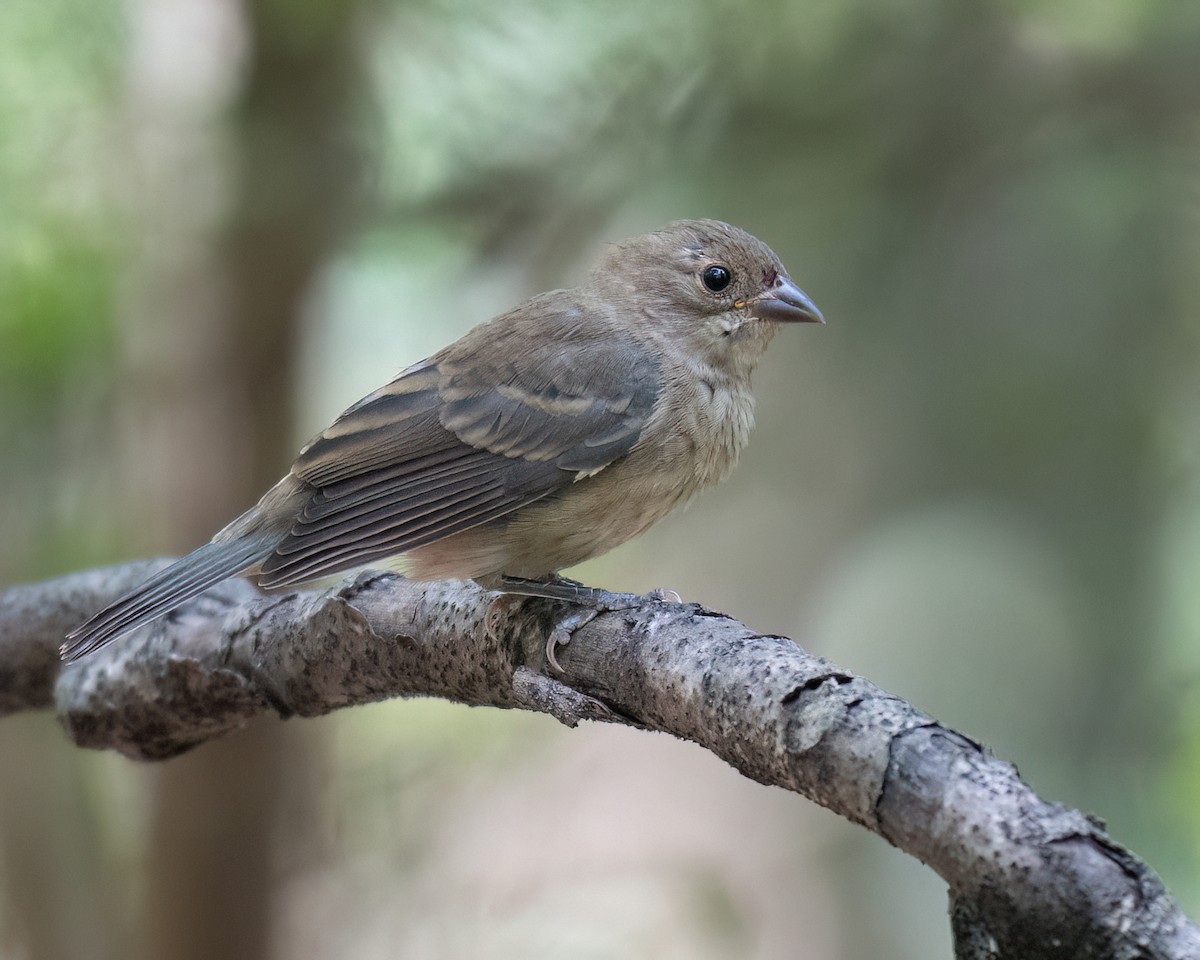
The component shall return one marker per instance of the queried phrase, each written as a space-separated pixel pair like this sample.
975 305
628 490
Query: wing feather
391 488
517 409
396 511
388 542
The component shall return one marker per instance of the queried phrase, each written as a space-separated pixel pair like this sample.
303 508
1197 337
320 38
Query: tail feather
186 578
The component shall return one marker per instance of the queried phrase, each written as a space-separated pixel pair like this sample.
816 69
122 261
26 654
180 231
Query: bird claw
561 635
497 609
557 638
606 602
594 600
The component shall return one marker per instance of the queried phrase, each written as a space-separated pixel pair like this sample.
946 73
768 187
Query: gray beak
785 303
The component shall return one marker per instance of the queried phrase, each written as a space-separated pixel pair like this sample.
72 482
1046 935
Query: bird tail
186 578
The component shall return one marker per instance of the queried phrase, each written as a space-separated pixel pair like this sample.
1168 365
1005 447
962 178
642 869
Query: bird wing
496 421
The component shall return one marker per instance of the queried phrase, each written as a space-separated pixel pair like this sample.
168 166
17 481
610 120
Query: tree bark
1027 879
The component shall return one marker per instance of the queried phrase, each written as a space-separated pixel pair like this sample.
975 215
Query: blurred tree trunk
237 231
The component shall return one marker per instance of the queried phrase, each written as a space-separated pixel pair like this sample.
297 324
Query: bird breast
686 447
716 425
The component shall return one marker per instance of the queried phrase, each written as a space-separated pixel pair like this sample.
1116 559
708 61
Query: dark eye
716 278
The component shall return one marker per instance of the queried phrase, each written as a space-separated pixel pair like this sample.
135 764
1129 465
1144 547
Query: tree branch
1028 879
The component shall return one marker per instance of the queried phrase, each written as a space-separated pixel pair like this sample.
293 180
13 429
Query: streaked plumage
541 438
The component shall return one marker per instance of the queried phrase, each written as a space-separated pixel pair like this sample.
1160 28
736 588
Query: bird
543 437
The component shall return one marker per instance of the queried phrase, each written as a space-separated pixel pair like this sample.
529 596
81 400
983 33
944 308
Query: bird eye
716 278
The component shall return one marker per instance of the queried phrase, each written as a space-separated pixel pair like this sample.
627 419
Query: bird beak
785 303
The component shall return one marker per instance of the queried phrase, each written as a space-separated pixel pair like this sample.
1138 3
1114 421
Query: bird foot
497 610
593 600
561 635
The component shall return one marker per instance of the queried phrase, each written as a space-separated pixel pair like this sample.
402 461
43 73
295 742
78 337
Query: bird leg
593 600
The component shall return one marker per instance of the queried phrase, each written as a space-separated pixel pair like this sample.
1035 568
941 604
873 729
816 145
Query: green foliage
55 311
58 229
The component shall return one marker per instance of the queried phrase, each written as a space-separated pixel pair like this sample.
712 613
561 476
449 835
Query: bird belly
596 513
585 520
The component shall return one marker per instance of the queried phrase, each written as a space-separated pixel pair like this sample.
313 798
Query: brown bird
543 437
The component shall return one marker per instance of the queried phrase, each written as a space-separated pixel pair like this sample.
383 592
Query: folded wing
461 440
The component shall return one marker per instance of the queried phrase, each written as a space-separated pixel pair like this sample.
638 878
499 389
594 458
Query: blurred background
222 221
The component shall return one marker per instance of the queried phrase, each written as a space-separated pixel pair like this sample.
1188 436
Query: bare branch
1028 879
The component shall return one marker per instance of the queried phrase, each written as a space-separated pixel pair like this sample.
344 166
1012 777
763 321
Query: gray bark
1028 879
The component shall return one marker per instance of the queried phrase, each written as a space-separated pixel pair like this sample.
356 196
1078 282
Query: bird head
708 288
